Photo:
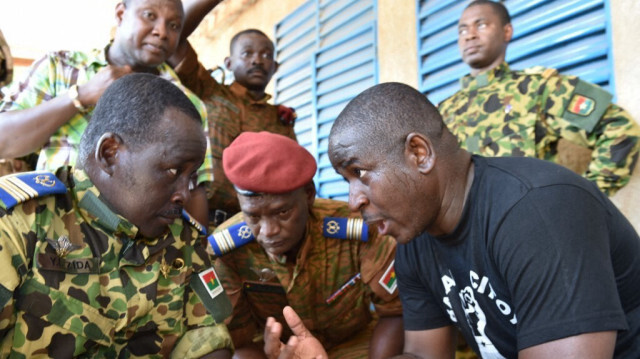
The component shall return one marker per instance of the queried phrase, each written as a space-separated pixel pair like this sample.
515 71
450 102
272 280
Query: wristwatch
73 95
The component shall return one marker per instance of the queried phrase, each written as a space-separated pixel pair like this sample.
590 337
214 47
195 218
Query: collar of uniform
485 78
95 210
243 93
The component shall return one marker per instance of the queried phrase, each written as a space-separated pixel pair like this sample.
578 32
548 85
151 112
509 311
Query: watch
73 95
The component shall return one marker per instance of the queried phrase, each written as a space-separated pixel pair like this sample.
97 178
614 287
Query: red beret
265 162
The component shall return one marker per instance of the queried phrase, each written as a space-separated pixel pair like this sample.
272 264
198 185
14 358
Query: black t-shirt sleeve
553 253
420 308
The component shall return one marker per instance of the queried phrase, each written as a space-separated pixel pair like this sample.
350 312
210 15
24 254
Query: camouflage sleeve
241 324
37 87
376 266
16 253
583 114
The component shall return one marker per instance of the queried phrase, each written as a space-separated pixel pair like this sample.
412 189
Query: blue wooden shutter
572 36
321 82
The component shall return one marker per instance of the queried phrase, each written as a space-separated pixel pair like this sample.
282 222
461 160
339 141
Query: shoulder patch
226 240
587 105
192 221
388 279
21 187
345 228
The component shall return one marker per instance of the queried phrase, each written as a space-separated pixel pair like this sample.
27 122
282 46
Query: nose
160 29
256 58
269 227
182 194
471 33
357 199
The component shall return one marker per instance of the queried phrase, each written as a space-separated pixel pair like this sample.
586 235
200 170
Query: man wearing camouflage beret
101 260
502 112
288 248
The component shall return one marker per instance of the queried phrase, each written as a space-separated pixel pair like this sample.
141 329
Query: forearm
25 131
387 339
194 12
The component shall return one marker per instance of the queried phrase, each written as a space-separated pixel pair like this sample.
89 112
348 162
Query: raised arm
194 12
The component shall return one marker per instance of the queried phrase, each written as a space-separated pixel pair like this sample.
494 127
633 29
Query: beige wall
625 29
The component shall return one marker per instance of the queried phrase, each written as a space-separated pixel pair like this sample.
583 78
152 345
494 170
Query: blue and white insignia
21 187
199 227
224 241
345 228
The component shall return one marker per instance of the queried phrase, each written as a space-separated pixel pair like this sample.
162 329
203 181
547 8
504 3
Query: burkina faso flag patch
211 282
388 280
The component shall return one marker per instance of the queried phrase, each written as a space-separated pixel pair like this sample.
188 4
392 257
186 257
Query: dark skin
482 38
439 175
147 34
279 225
133 179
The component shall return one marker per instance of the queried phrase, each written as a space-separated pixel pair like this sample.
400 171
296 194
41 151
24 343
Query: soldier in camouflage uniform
502 112
312 254
100 261
239 107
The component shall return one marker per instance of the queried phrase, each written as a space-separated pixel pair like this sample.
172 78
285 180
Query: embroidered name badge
52 262
388 280
581 105
211 282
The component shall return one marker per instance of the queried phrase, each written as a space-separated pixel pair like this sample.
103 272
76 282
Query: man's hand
89 93
301 345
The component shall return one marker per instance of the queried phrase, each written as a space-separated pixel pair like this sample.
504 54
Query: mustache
172 212
257 68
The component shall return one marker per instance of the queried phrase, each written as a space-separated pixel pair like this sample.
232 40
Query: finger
295 323
272 333
289 350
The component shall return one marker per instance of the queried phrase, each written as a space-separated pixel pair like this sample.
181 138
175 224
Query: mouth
156 49
257 71
169 216
380 224
471 49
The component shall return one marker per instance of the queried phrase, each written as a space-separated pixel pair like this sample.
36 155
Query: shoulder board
345 228
192 221
226 240
20 187
540 70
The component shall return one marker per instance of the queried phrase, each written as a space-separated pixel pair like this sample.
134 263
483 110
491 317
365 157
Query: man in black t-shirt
526 258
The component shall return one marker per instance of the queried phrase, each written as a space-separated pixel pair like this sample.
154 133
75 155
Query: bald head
385 114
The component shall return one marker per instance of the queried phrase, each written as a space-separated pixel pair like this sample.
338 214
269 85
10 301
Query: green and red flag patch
388 280
581 105
211 282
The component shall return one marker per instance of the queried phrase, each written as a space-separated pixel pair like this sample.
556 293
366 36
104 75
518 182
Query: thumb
295 323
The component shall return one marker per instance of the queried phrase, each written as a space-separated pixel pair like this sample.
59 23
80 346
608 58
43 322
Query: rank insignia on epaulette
21 187
225 241
345 228
199 227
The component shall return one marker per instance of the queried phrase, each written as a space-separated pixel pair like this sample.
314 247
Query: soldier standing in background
239 107
502 112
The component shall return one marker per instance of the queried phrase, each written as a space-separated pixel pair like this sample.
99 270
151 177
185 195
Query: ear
227 63
419 150
276 65
310 190
508 33
107 150
120 9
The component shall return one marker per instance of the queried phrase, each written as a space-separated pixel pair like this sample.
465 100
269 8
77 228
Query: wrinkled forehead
253 40
266 202
345 149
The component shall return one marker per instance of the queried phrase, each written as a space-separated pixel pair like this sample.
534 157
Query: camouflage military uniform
231 111
260 287
79 281
525 113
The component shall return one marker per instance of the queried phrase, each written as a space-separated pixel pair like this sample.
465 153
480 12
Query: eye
359 172
148 15
482 25
462 31
174 26
267 55
173 171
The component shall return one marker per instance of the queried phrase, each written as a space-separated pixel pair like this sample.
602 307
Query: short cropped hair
385 114
244 32
497 7
132 107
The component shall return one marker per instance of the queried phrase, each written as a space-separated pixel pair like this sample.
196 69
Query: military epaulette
21 187
225 241
345 228
199 227
540 70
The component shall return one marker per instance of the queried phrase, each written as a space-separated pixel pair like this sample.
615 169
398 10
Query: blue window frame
573 36
327 53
